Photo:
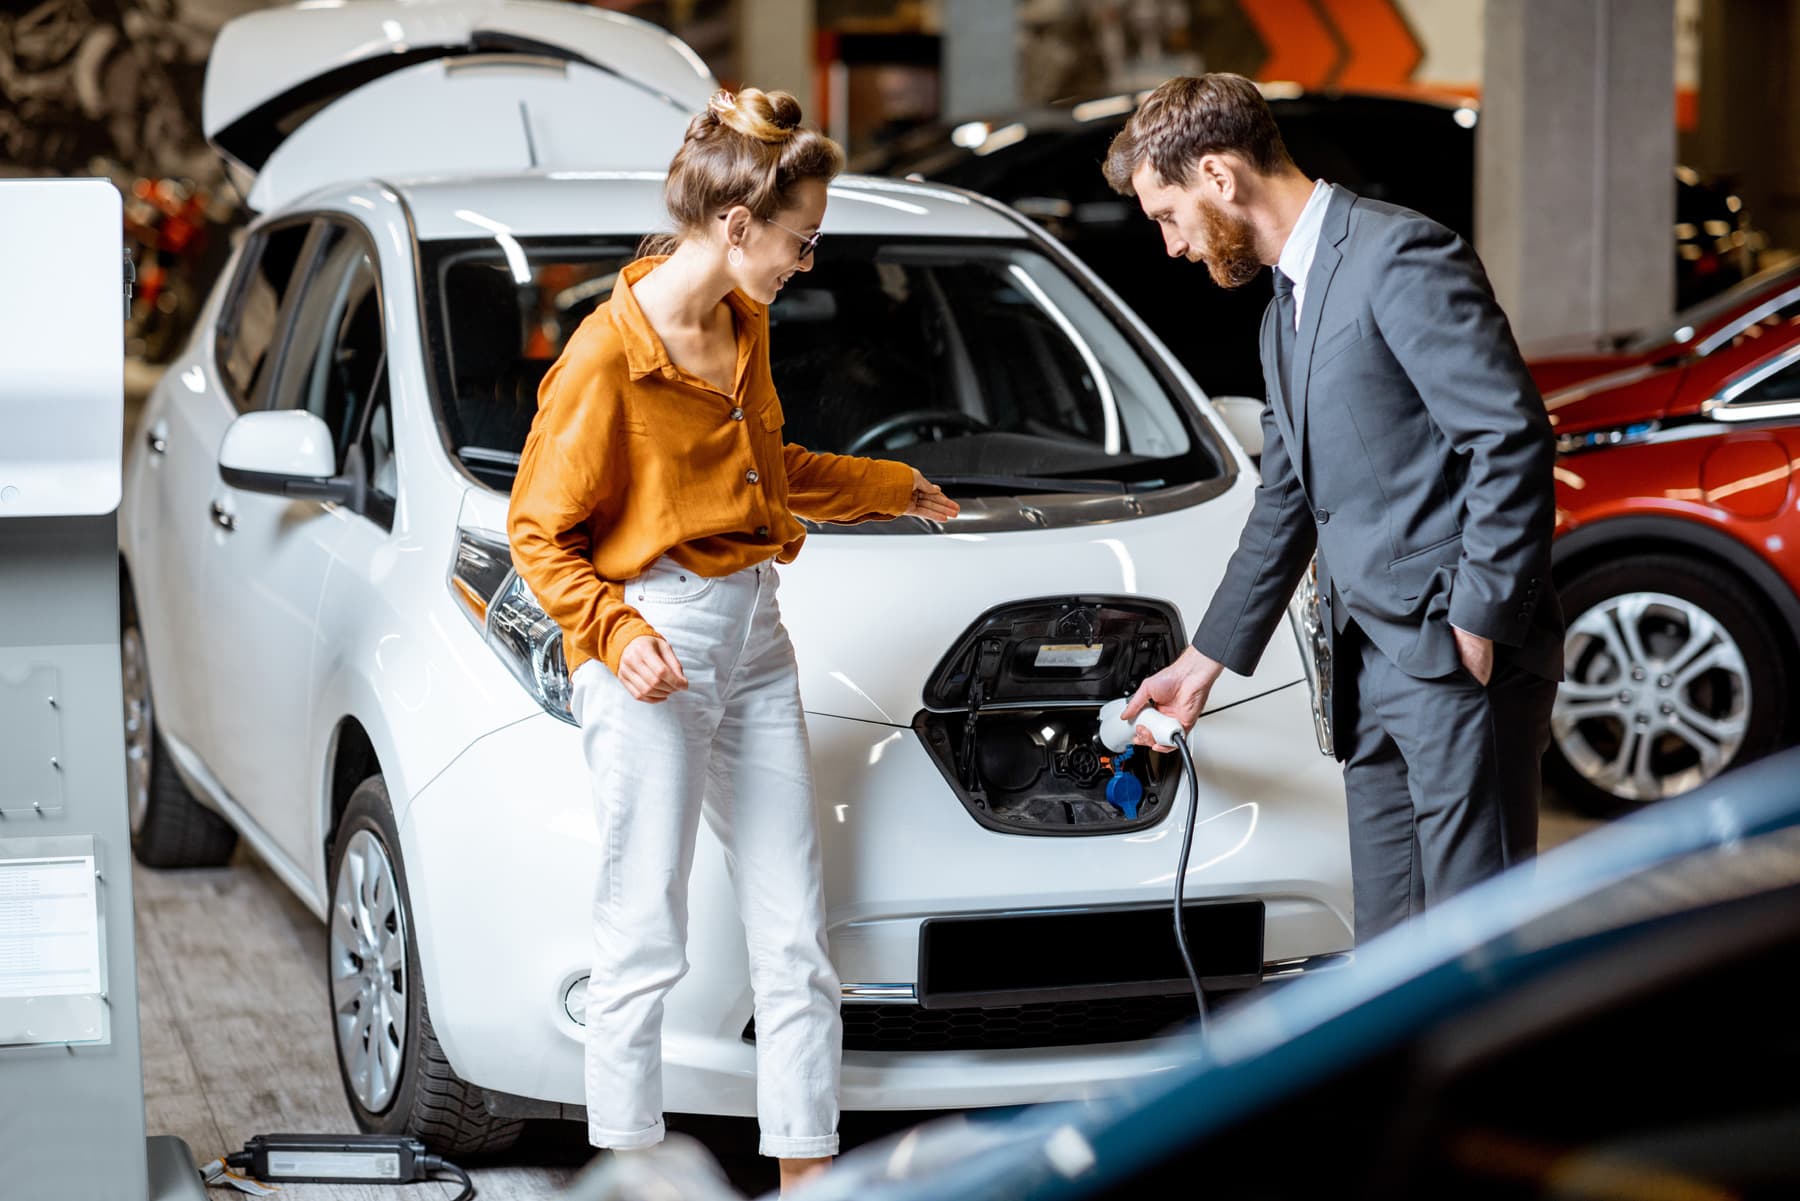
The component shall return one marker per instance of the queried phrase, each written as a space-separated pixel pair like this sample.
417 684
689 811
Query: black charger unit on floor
342 1159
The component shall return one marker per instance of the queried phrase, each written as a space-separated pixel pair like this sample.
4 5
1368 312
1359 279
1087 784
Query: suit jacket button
1323 515
750 477
737 414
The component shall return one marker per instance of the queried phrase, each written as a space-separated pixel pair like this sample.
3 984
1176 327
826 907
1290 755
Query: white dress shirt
1297 255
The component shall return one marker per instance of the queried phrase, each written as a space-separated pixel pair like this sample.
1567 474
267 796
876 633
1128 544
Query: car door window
253 311
1778 387
335 365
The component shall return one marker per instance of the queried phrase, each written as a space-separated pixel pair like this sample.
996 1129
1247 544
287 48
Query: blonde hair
746 149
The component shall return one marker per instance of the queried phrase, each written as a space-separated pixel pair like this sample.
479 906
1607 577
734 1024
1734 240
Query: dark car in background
1413 151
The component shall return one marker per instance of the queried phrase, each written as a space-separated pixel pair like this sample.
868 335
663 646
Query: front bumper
500 851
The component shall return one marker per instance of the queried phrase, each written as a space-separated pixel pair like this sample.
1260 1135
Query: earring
735 256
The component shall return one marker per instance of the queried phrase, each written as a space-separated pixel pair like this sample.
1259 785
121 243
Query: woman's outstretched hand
929 501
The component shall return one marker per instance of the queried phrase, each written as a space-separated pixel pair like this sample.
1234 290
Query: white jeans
732 746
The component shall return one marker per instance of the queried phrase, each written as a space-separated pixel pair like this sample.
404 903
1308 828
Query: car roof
1110 111
552 203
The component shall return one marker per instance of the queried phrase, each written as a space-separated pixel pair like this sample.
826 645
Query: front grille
1003 1027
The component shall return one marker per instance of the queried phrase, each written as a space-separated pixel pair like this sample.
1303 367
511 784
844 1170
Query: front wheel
395 1074
1673 676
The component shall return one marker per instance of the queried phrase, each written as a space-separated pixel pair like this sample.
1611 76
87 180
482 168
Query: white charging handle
1117 733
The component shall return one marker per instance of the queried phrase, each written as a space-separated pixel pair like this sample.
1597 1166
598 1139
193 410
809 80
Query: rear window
963 359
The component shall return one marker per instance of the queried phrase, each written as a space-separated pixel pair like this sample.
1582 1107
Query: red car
1677 558
1768 298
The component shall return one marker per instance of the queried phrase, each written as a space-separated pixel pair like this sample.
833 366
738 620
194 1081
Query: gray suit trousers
1441 779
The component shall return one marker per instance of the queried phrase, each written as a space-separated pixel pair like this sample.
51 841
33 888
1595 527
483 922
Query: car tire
169 828
1625 732
396 1077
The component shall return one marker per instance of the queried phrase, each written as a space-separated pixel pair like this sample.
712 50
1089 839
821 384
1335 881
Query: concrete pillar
1574 164
981 58
775 48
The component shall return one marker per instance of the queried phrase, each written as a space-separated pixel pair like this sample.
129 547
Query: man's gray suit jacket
1405 441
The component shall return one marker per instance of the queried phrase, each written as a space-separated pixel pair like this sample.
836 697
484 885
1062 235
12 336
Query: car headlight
511 621
1308 622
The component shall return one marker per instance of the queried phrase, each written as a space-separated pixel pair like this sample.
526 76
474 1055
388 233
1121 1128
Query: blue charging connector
1125 792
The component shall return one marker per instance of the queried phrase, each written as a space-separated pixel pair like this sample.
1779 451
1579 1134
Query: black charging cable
437 1163
1187 846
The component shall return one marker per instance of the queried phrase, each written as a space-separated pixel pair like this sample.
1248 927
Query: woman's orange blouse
630 458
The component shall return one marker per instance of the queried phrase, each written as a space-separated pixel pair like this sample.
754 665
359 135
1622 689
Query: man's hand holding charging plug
1178 690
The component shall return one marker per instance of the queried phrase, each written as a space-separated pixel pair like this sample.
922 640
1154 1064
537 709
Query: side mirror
287 453
1243 417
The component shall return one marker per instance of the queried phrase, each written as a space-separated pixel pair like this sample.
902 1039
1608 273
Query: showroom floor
237 1036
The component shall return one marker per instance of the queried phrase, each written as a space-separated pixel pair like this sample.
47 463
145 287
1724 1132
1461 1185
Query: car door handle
157 439
223 517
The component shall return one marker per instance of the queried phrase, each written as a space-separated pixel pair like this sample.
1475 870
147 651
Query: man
1403 440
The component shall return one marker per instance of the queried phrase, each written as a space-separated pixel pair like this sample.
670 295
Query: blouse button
737 414
751 476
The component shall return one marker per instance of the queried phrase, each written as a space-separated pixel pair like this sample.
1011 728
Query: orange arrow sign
1380 51
1301 45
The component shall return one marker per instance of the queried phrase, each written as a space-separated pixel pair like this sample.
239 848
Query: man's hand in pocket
1477 654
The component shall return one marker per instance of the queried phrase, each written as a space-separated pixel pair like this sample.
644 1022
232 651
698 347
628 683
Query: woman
654 497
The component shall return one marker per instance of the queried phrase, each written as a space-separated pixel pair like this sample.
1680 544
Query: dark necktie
1284 333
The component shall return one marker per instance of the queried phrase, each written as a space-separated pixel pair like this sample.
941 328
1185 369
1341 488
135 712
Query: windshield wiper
1029 483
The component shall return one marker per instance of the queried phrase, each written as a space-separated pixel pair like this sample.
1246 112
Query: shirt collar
1297 255
644 351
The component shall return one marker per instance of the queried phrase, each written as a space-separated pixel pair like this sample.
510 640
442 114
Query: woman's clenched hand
650 671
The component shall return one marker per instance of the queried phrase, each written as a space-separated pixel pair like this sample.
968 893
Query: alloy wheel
369 983
139 744
1657 698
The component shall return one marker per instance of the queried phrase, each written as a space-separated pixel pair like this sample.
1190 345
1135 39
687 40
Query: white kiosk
71 1074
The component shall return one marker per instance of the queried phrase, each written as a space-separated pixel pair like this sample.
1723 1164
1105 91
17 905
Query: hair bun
784 110
772 117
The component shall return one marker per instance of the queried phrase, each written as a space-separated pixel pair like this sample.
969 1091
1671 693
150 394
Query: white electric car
327 652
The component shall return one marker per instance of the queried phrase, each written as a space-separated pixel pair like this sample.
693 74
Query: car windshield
1688 323
978 362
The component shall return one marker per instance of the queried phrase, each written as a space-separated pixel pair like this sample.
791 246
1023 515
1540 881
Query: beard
1230 255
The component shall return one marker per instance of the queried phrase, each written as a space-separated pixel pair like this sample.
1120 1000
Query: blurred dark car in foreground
1677 559
1600 1025
1417 151
1604 1024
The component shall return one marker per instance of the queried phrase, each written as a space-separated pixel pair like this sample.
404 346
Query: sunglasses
809 243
